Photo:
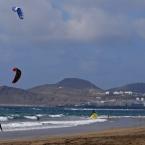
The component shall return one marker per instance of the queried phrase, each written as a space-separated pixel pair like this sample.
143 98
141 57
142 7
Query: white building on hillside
118 93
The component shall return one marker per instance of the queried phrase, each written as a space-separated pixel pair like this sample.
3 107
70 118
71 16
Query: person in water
38 118
93 115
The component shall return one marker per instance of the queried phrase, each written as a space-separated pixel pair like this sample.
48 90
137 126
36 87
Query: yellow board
93 116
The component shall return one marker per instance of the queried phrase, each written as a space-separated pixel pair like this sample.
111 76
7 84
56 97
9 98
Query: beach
125 136
114 132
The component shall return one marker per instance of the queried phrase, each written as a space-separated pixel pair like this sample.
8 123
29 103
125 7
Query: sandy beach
126 136
115 131
123 131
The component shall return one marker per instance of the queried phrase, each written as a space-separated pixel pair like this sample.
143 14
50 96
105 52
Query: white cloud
88 21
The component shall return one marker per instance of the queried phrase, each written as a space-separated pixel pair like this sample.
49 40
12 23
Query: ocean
29 118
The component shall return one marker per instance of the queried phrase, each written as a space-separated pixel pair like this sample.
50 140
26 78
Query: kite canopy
19 12
17 75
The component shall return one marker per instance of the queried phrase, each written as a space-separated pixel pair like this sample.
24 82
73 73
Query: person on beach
1 127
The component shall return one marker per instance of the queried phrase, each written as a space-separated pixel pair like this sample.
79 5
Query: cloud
72 38
88 21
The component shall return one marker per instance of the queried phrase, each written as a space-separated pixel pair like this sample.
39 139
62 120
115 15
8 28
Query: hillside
9 95
65 92
69 91
71 87
16 96
135 87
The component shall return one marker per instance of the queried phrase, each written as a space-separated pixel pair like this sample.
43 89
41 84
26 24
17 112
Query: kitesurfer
93 115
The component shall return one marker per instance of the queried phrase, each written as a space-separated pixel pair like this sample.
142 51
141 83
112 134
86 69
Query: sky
102 41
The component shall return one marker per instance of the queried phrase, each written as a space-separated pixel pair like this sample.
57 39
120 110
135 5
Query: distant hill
77 83
135 87
68 85
53 97
9 95
16 96
68 91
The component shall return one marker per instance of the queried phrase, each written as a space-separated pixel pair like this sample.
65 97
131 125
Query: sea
19 118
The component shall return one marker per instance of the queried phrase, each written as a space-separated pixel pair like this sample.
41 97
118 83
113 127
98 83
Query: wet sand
127 136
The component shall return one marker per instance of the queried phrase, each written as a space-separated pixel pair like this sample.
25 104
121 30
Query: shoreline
113 124
117 136
93 127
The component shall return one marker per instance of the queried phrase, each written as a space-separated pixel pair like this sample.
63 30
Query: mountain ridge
138 87
69 91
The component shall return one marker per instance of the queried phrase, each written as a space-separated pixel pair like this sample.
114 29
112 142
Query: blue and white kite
19 12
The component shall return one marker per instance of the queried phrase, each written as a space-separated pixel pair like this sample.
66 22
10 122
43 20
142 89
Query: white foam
40 115
56 115
90 109
29 125
74 122
36 108
126 116
31 117
3 118
15 115
10 117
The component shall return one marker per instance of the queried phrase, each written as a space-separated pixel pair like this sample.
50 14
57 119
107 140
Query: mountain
77 83
68 85
69 91
65 92
135 87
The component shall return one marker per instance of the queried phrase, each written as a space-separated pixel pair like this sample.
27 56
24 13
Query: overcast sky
102 41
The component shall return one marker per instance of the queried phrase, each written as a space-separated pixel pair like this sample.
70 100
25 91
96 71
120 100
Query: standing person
1 127
38 118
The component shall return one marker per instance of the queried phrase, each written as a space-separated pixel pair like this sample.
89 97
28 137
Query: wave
4 118
31 117
9 117
138 116
74 122
118 117
105 109
41 115
36 109
16 126
56 115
